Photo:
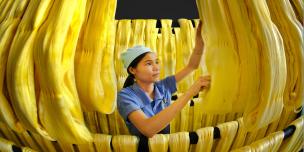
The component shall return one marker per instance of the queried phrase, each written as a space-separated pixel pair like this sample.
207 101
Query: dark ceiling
156 9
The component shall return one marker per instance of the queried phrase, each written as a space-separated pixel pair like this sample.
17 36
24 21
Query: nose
156 67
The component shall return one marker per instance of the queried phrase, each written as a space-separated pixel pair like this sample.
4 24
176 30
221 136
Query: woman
144 102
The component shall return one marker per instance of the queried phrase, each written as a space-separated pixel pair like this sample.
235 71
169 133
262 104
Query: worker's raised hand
199 42
201 83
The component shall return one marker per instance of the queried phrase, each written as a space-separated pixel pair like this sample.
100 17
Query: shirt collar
144 96
157 94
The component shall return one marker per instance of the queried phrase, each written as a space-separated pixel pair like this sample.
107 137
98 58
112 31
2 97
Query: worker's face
148 69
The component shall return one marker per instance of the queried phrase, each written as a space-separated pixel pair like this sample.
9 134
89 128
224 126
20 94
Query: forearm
197 53
151 126
158 122
195 58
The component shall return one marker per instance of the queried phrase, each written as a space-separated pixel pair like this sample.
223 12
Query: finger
204 88
200 24
206 84
199 27
208 77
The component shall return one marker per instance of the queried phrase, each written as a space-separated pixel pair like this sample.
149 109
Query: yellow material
102 142
20 67
151 34
184 47
103 123
30 141
261 133
26 149
240 136
91 48
244 55
122 41
210 120
168 55
190 117
117 125
113 123
197 114
288 115
175 123
125 143
291 30
295 142
6 146
43 143
273 79
159 143
87 147
251 136
66 147
298 6
90 119
54 47
219 48
228 131
9 21
205 139
184 118
9 134
6 7
160 55
173 51
107 73
221 118
179 141
270 143
138 32
248 52
242 36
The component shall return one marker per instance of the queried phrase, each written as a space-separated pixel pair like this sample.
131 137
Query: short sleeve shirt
134 98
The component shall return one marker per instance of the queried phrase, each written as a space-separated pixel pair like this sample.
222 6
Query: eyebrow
151 60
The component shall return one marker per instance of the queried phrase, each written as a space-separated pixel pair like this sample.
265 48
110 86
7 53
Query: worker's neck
147 87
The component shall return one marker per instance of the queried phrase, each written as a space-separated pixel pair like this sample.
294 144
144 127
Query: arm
195 57
151 126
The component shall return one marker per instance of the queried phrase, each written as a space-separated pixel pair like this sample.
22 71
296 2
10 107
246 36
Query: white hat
132 53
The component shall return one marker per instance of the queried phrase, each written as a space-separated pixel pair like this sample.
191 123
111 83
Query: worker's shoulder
126 91
169 80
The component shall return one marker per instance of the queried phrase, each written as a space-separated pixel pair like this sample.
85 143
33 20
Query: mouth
155 75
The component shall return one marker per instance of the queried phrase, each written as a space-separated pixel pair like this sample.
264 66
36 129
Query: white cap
128 56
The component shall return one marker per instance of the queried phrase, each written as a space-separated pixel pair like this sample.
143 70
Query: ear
131 70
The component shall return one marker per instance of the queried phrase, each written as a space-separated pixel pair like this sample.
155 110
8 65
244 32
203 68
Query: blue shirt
134 98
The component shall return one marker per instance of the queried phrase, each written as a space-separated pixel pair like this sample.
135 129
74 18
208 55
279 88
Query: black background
156 9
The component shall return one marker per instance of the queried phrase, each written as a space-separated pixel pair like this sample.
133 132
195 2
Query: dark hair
130 79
